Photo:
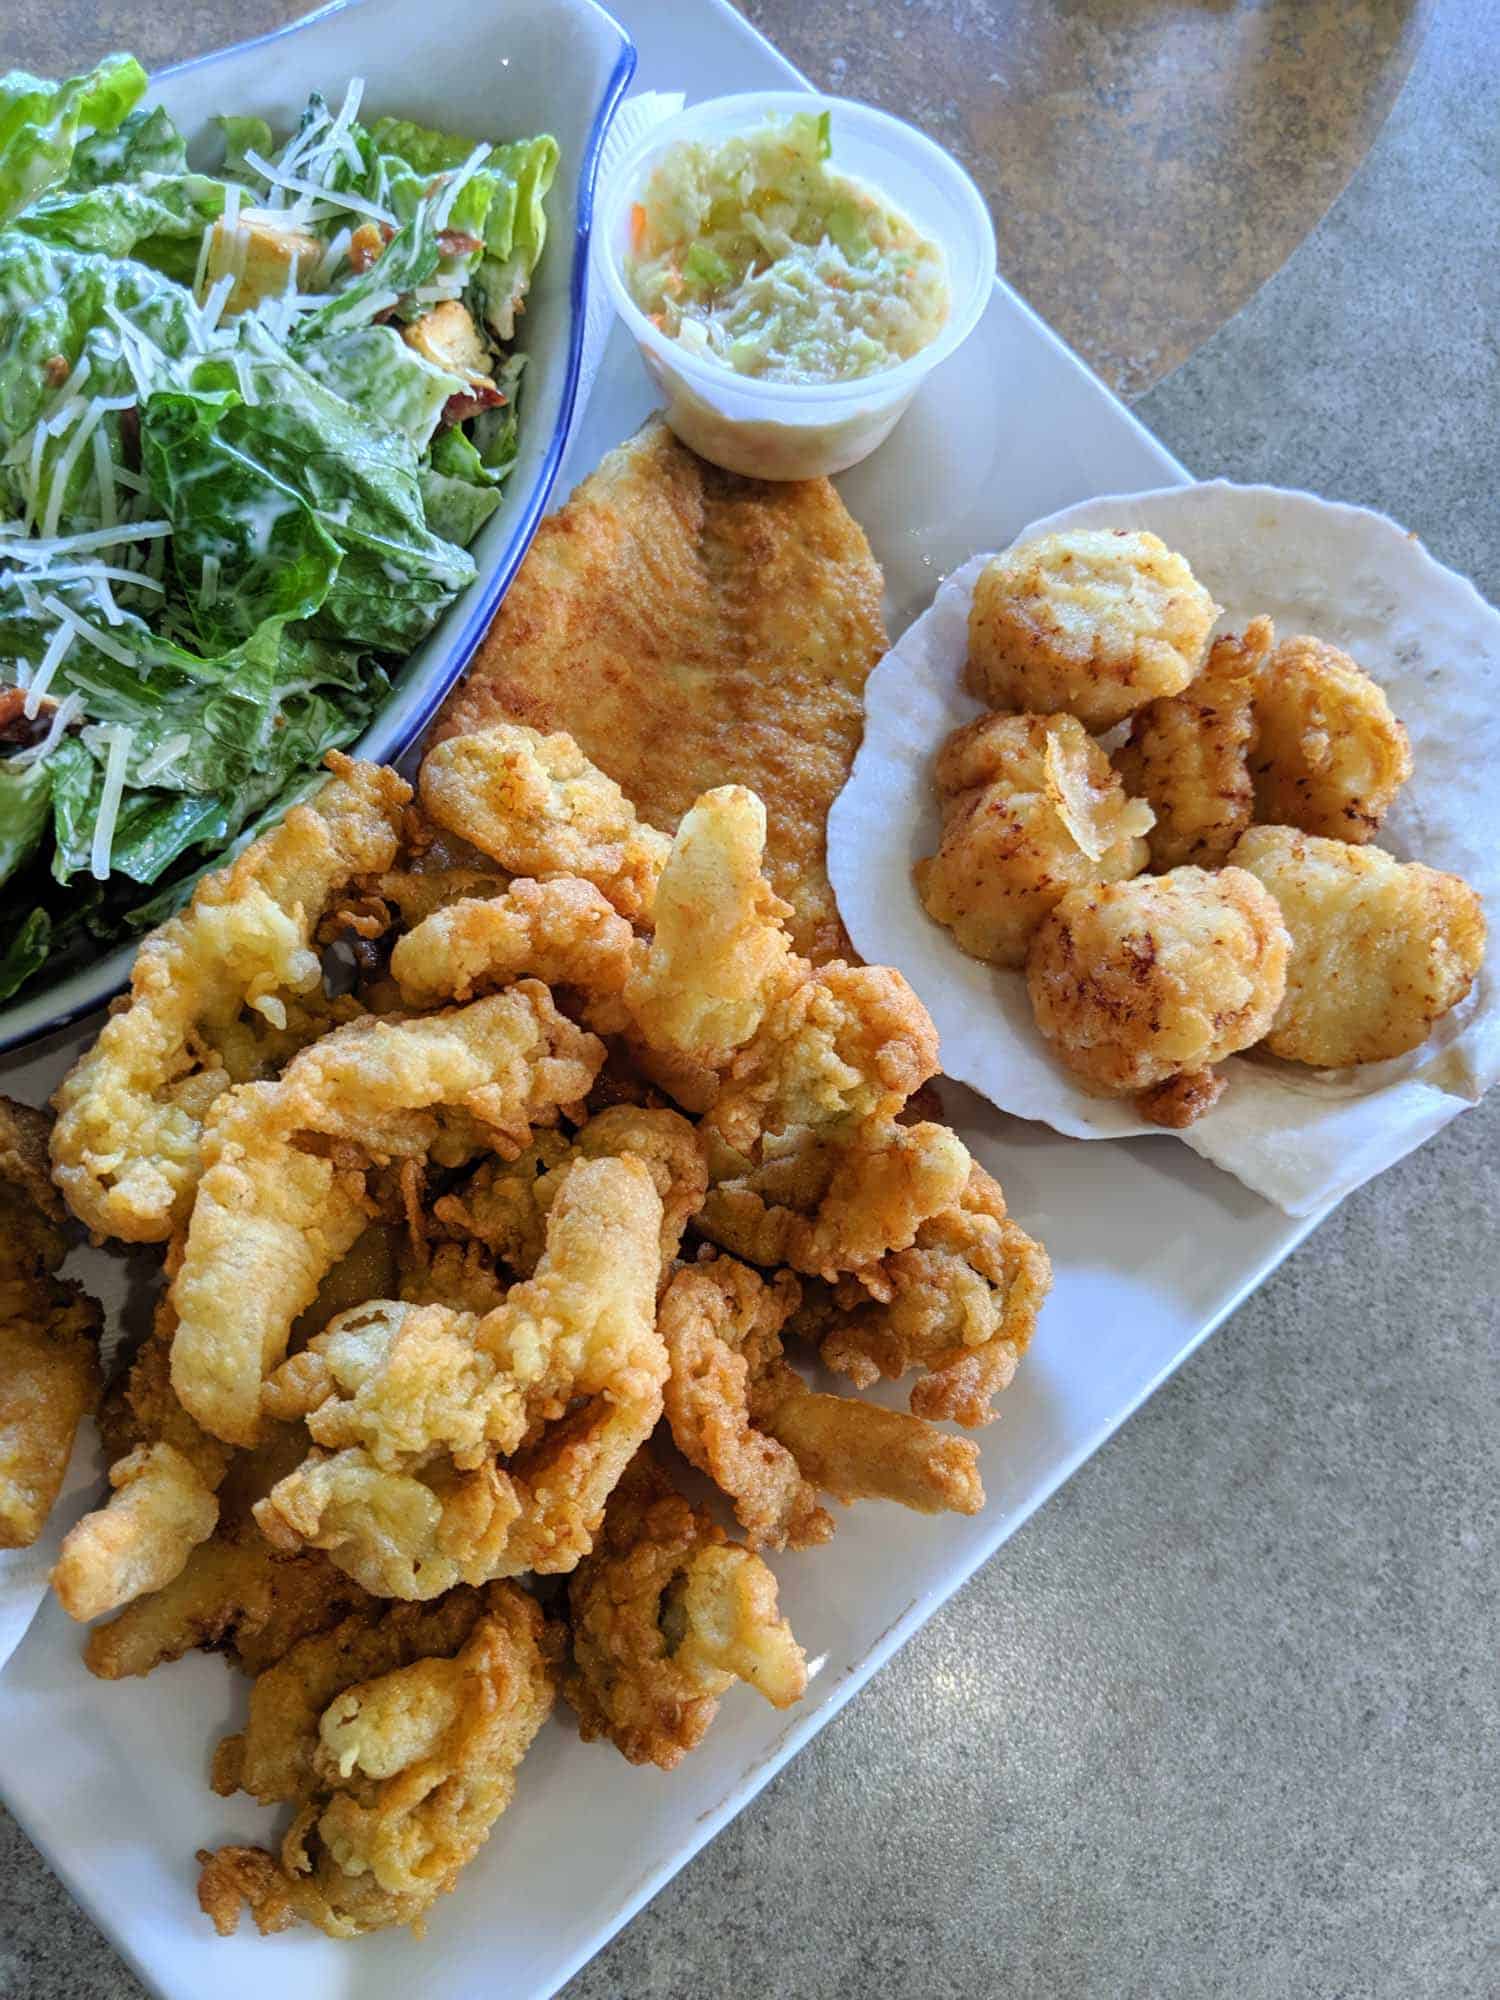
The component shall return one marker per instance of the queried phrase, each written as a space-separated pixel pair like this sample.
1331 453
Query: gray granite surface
1221 1721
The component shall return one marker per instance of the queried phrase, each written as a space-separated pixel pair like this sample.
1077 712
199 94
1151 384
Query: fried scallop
1031 809
1329 755
1188 754
1093 621
1381 948
1138 984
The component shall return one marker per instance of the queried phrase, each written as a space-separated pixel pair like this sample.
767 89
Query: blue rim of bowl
27 1022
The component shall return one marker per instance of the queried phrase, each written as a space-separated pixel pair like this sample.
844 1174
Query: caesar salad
250 420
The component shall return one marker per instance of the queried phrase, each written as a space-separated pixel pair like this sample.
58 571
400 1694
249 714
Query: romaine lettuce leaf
146 143
272 557
25 807
242 136
27 952
40 123
159 221
374 369
360 478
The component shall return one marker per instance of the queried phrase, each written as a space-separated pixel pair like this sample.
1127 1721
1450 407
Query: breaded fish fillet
690 628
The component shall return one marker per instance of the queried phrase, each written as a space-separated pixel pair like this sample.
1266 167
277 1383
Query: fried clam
231 983
505 1204
536 805
1381 949
1031 809
1188 754
825 1206
665 1616
739 1412
49 1333
397 1736
273 1215
166 1518
1142 987
563 932
720 951
164 1473
1329 755
721 1323
235 1594
455 1448
1094 622
960 1305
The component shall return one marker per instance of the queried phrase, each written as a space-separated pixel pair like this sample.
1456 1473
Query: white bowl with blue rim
491 67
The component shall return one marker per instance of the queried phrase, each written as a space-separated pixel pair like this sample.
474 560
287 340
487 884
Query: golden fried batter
399 1743
721 1324
1093 621
691 628
1137 982
125 1148
49 1334
1329 755
416 1405
1188 754
271 1218
960 1304
1031 809
666 1615
563 932
537 805
839 1204
505 1205
1381 949
741 1414
720 951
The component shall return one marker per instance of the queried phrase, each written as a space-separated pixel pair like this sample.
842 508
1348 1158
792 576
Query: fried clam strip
272 1216
505 1205
725 1418
414 1407
841 1052
399 1741
960 1304
164 1473
126 1147
722 1324
830 1206
666 1615
235 1594
49 1334
536 805
720 951
165 1470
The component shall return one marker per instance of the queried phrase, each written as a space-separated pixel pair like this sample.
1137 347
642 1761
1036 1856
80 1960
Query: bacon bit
130 437
637 226
57 368
459 242
458 409
366 245
16 726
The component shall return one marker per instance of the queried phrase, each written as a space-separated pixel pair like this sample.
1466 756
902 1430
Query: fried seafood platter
534 1217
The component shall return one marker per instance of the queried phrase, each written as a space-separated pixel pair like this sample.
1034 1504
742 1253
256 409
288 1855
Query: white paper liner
1299 1137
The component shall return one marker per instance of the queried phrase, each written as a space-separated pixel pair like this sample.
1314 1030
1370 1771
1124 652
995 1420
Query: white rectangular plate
1152 1248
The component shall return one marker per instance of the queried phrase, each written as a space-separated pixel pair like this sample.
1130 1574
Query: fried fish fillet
690 628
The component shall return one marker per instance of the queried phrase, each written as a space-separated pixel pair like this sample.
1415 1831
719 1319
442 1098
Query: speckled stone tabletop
1221 1720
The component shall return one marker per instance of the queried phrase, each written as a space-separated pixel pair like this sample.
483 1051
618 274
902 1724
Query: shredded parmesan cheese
121 738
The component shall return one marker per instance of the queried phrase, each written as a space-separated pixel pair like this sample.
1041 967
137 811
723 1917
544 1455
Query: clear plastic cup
797 430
